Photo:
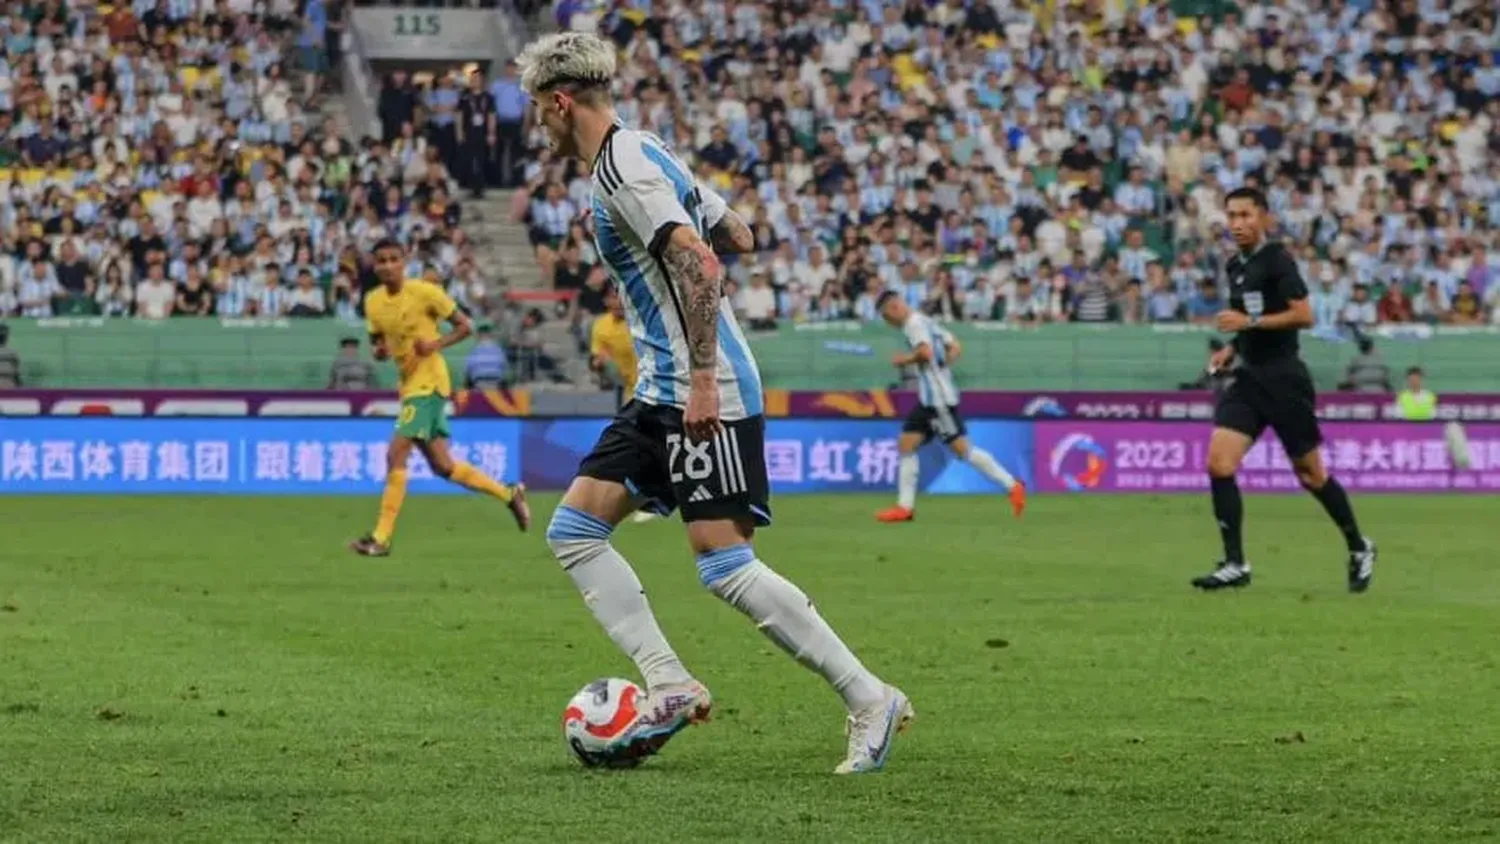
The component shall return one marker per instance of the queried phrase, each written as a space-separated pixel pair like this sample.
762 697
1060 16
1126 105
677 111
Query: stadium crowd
166 158
1065 161
989 160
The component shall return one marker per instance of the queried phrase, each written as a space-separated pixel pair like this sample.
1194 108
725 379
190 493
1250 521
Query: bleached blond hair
566 58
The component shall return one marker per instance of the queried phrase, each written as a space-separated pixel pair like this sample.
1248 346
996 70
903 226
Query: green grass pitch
220 669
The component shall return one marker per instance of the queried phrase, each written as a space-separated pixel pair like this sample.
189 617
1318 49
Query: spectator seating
1032 162
169 160
1057 161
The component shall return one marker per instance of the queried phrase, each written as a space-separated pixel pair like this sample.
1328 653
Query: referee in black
1272 388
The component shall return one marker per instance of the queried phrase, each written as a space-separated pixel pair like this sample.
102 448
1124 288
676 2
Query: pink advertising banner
1150 457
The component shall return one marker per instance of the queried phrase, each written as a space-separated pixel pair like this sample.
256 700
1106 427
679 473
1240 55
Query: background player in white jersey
933 351
693 435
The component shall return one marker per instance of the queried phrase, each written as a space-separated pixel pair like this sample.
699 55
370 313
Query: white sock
613 594
786 616
985 463
906 481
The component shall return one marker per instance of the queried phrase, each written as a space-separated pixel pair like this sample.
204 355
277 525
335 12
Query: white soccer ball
598 721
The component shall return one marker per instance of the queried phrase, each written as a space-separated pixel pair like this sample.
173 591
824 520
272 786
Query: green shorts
423 418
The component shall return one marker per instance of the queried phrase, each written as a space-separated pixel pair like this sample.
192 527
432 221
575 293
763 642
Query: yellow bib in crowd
1419 406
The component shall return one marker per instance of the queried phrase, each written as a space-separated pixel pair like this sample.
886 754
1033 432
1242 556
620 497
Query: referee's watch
1254 321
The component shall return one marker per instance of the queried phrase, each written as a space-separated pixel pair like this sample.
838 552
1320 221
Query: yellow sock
390 505
467 475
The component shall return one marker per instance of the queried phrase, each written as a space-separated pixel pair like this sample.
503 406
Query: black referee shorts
1280 397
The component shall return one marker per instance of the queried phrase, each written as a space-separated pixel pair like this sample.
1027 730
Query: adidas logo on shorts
700 494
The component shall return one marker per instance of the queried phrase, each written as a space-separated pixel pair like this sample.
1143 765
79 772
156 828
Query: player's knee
719 564
577 537
441 468
1312 478
1222 465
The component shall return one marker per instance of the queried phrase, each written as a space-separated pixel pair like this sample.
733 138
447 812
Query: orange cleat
895 514
519 508
1018 499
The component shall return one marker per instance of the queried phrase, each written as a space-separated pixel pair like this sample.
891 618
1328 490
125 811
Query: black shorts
945 423
1281 398
645 449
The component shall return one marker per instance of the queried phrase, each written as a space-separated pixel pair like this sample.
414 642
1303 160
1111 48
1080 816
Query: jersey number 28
687 458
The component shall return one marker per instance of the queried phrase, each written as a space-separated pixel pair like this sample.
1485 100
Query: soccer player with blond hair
692 437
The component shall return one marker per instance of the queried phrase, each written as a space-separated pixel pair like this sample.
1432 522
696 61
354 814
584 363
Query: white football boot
668 710
873 729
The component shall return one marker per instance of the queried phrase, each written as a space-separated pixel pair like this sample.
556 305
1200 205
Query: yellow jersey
610 339
411 314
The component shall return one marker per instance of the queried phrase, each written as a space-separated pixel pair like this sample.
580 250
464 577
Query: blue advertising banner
330 457
806 455
257 456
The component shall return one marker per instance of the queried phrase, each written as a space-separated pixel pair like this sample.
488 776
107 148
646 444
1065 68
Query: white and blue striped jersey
935 385
641 193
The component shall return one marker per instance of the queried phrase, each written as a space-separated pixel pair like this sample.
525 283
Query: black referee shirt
1264 282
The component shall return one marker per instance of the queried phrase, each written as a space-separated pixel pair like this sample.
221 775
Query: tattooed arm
731 235
640 198
693 267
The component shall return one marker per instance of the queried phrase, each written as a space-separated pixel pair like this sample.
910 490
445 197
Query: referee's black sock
1336 501
1229 510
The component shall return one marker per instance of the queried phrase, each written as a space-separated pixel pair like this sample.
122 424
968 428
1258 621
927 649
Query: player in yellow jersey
611 350
402 316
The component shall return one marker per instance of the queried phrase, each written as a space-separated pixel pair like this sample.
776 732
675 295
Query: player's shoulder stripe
606 170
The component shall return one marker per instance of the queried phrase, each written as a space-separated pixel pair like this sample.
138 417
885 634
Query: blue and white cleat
872 731
668 711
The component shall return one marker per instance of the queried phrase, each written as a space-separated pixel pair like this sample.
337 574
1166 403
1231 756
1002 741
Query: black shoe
1228 575
1362 566
368 546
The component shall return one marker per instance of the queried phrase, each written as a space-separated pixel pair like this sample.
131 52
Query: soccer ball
598 721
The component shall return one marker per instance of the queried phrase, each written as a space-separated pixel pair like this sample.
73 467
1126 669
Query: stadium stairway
505 254
503 246
503 250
